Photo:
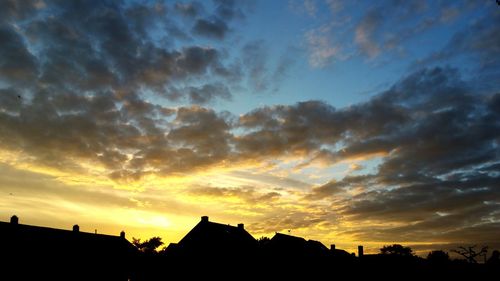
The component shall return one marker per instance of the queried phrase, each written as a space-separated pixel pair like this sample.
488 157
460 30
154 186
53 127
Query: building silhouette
286 246
42 253
210 239
210 251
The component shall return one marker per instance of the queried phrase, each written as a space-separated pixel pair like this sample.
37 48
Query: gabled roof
36 237
316 245
56 254
341 253
207 233
288 239
289 246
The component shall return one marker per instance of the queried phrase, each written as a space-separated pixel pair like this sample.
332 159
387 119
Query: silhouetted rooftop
53 251
214 239
62 237
217 234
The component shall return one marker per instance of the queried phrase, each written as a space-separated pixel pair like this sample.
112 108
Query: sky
350 122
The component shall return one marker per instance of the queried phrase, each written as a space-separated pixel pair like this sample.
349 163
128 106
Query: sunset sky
349 122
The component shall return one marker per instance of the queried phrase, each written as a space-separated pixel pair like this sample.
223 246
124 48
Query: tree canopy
397 250
438 257
148 246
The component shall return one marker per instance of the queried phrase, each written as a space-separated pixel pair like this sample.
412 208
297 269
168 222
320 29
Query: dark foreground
210 251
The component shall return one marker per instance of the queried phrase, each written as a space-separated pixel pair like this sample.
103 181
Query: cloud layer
100 89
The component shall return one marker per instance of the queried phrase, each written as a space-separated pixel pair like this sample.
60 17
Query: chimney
241 226
204 219
332 247
76 228
14 219
360 251
122 234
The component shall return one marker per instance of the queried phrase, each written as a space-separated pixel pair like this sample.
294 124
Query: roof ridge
47 228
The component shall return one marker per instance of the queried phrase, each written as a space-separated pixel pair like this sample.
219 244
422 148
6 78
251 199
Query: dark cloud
19 10
102 46
204 94
477 42
439 143
17 65
145 17
199 138
479 38
211 28
195 60
336 187
208 92
10 100
64 129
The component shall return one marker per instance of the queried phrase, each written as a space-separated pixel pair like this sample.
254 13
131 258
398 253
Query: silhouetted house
214 240
292 247
33 252
339 253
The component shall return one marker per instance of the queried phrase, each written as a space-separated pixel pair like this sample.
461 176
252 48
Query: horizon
347 122
421 250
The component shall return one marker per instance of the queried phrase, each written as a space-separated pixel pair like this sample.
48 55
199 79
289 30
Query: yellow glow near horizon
166 206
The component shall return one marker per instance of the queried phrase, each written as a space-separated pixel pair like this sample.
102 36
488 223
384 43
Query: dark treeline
214 251
393 262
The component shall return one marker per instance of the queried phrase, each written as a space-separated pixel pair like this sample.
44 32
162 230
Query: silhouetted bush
396 250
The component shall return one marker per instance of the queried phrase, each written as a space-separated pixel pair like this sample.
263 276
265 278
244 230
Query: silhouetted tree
469 253
494 259
263 241
397 250
148 246
438 257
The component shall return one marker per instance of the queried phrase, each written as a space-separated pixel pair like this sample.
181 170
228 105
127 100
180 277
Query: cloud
364 33
21 183
261 73
333 187
196 60
211 28
107 47
10 100
232 9
18 65
82 92
247 194
437 140
293 221
322 50
310 6
192 9
254 56
19 10
477 41
201 95
377 31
